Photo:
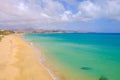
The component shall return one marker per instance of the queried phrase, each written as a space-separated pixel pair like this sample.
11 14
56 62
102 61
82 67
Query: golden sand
18 61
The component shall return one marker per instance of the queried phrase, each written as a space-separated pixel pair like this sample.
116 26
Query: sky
81 15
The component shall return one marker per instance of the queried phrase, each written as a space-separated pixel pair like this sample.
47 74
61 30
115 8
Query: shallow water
81 56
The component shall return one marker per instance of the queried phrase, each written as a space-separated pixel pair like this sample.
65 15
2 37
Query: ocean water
78 56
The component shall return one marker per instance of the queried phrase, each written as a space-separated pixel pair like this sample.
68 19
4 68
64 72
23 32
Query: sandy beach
18 61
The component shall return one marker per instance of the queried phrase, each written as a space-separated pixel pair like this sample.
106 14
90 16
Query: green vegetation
103 78
5 32
0 38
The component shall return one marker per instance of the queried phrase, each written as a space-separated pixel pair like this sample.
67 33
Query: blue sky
102 25
82 15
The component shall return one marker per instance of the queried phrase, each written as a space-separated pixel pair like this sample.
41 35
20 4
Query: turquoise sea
80 56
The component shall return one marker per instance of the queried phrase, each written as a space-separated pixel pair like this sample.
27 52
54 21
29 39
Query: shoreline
39 54
61 72
19 62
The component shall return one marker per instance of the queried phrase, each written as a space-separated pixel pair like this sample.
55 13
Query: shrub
5 32
103 78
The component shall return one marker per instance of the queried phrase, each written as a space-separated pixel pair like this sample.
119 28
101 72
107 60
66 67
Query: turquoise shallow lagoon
77 56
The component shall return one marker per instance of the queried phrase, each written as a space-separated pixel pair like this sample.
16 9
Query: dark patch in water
85 68
103 78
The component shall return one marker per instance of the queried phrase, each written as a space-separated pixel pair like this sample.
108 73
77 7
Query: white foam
42 63
51 74
31 43
42 60
47 69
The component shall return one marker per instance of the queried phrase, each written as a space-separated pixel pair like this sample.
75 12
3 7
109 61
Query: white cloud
112 9
13 12
45 12
100 9
89 9
67 16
